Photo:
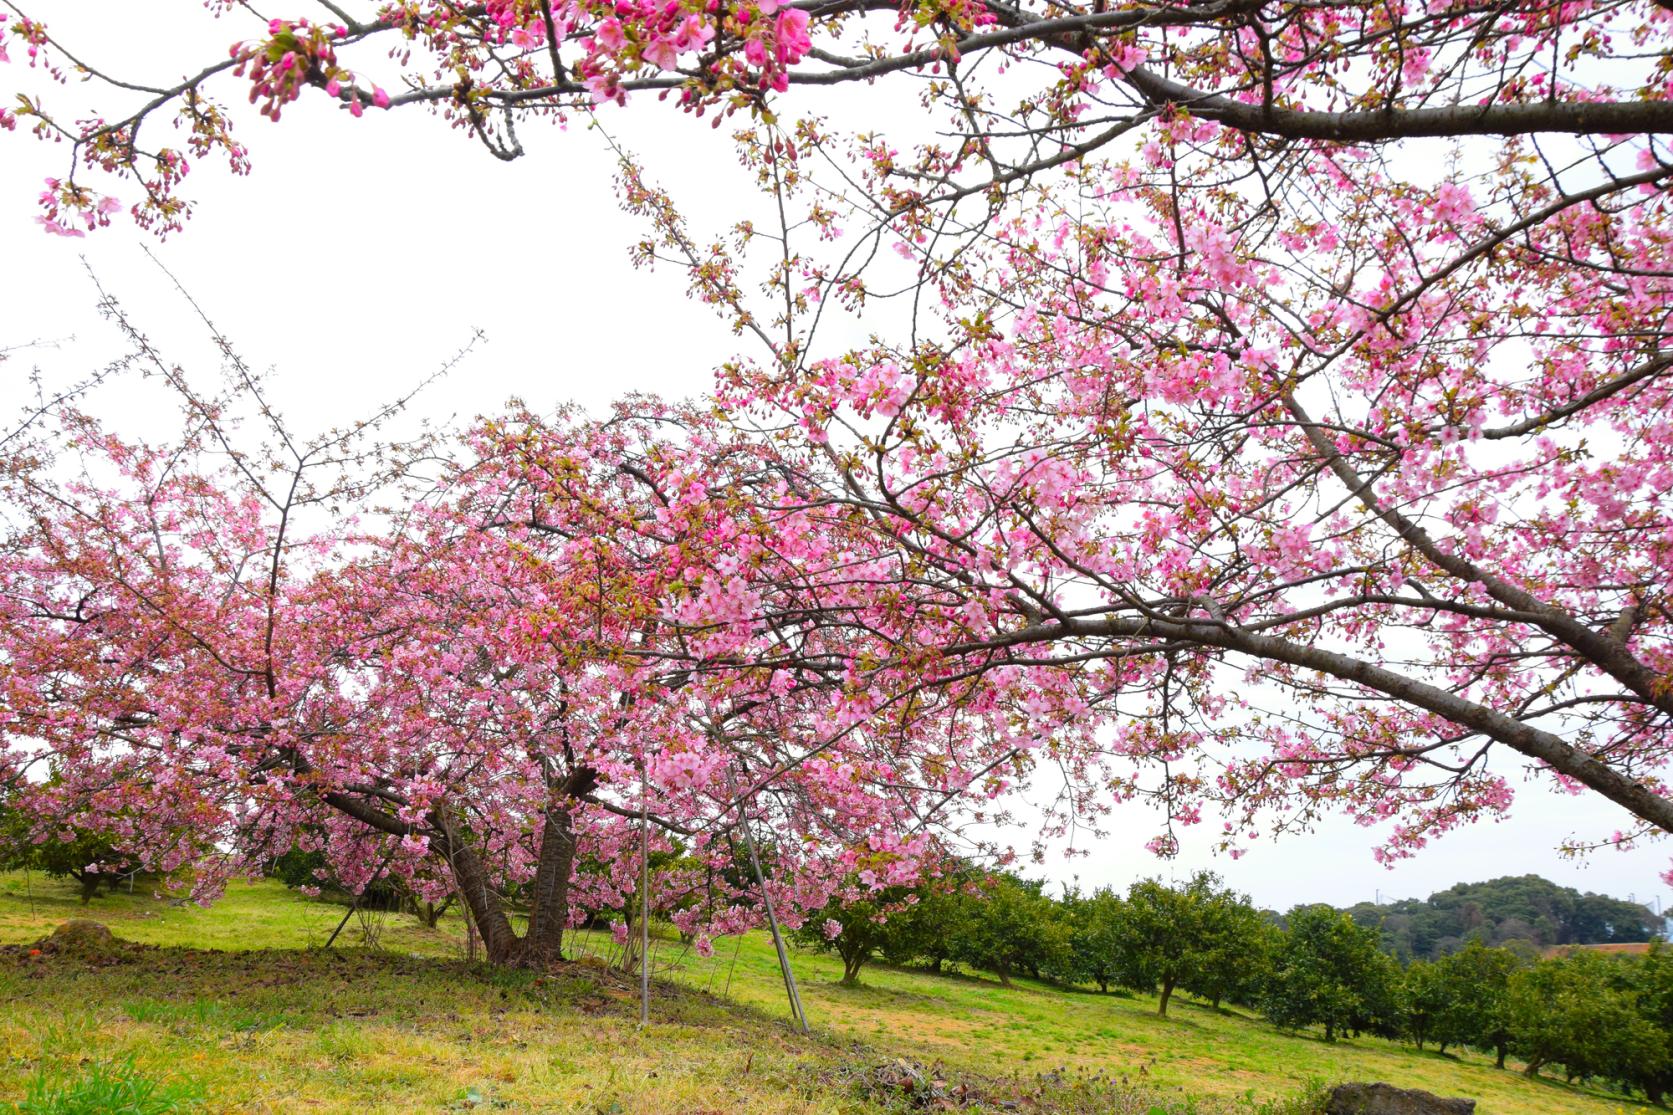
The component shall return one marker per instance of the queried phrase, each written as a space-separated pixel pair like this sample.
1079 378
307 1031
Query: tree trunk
1004 976
472 882
550 914
1329 1030
630 949
851 966
1532 1067
1167 993
431 913
1499 1048
89 886
499 940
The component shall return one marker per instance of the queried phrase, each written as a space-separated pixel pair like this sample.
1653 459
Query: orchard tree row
1197 938
1591 1015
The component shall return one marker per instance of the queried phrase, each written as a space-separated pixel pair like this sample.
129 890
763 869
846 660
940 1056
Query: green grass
103 1088
237 1009
261 915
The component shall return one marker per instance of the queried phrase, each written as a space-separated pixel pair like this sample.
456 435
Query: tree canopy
1329 972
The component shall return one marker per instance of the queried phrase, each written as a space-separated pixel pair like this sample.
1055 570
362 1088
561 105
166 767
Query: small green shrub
105 1088
1309 1101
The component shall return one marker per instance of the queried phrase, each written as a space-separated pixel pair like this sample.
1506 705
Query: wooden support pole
772 924
355 905
644 895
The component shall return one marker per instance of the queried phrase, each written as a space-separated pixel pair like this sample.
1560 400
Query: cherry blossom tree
1361 479
1267 403
216 651
1415 488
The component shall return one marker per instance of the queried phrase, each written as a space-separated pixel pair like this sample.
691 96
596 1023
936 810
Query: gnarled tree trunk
550 913
499 939
543 944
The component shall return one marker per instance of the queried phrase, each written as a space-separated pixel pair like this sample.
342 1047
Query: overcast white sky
360 255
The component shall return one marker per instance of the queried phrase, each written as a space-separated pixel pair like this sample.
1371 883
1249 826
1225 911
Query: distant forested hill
1522 908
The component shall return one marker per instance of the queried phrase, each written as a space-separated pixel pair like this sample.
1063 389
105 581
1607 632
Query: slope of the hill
231 1008
973 1022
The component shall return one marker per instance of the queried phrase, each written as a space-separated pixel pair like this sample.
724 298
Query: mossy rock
85 940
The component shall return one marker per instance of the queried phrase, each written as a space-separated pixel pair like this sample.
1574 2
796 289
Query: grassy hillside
973 1022
233 1011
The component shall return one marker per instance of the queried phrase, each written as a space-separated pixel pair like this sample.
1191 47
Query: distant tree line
1519 909
1591 1016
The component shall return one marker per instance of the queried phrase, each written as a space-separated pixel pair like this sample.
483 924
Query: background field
239 1010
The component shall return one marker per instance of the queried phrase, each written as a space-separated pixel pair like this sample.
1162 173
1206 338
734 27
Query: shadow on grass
217 990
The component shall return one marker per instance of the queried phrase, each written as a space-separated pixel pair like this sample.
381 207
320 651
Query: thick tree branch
1598 648
1535 743
1374 126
